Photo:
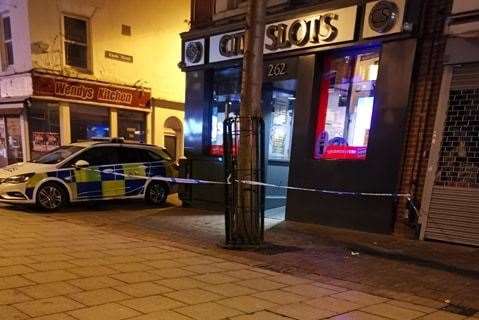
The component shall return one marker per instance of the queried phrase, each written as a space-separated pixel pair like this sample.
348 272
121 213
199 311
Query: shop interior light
373 72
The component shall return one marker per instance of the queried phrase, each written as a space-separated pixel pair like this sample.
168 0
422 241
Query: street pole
246 232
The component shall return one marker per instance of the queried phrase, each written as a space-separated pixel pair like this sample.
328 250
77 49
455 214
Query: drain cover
462 310
273 249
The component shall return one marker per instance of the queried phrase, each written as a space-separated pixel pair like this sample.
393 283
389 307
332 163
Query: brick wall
424 99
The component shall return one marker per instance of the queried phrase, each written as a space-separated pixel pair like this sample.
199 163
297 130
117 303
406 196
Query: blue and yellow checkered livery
111 181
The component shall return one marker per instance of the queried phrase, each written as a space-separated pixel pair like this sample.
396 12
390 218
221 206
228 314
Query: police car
94 170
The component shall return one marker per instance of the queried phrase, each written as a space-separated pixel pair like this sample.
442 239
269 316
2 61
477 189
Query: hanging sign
318 29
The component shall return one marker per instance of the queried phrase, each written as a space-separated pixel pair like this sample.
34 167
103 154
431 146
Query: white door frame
435 150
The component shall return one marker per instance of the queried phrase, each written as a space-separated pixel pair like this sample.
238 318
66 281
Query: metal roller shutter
454 206
454 215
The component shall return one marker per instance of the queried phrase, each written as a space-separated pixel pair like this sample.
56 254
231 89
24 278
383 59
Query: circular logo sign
383 16
194 52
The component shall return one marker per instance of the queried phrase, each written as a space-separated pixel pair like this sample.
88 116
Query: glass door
171 146
14 140
279 98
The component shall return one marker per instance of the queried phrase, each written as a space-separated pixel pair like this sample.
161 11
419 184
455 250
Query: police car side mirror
80 164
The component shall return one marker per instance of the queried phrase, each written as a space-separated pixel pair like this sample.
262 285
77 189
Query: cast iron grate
462 310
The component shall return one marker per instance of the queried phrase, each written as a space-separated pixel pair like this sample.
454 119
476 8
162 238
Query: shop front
11 148
450 202
335 101
14 91
65 110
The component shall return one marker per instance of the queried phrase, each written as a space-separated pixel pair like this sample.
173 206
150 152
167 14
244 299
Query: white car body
118 182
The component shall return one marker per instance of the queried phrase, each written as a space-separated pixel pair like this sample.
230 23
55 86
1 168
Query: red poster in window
218 150
344 153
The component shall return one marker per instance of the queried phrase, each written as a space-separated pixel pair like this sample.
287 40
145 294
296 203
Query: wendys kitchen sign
89 91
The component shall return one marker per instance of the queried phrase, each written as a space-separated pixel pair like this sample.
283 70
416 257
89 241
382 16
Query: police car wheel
51 196
156 193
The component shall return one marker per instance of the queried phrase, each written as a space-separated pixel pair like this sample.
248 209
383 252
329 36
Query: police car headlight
19 179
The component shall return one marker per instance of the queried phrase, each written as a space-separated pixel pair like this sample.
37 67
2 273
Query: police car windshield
58 155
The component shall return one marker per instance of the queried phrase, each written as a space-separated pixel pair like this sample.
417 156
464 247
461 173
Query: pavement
126 260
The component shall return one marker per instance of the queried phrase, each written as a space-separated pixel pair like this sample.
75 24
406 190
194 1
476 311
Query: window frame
133 112
211 150
320 69
51 114
88 44
74 107
239 7
5 61
71 162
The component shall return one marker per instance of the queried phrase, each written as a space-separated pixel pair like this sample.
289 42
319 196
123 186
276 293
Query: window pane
7 29
282 96
44 125
346 106
158 155
89 122
9 53
75 30
58 155
226 103
76 55
132 155
100 156
131 125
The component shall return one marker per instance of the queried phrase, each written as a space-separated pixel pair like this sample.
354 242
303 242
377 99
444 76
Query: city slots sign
321 28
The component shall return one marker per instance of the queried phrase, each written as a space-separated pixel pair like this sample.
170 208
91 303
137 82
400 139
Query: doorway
171 146
173 137
279 99
10 140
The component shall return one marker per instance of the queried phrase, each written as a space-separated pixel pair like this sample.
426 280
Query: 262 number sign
277 69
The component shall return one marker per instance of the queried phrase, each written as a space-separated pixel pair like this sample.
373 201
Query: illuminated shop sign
384 17
318 29
88 91
325 27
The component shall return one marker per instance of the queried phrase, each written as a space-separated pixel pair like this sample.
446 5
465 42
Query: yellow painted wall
154 44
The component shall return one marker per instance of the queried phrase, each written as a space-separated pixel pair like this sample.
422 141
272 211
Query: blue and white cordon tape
256 183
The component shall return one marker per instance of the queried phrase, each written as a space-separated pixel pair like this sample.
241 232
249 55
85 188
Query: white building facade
76 70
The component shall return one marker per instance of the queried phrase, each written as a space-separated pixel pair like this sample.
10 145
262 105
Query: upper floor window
229 8
225 5
7 42
76 42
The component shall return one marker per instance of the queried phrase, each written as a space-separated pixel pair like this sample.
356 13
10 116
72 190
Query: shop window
44 125
345 106
76 42
131 125
89 122
225 104
7 43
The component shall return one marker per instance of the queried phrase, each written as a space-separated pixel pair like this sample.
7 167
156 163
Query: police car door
99 180
133 165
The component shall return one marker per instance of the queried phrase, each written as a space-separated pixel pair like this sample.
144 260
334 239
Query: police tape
408 196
